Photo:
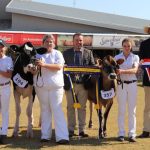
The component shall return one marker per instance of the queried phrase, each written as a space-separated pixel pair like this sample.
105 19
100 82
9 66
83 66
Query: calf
103 90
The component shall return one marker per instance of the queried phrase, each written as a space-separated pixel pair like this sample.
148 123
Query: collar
122 55
81 50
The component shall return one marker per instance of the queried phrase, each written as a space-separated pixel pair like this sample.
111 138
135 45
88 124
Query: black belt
127 82
2 84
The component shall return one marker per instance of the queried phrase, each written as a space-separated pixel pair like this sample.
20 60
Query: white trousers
127 95
51 102
4 107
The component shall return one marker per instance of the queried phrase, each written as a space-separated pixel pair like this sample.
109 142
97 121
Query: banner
107 41
20 38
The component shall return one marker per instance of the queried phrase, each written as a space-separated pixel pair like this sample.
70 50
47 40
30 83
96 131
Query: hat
147 29
2 43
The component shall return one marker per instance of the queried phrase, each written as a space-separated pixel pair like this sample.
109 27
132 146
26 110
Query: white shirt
132 60
6 64
50 78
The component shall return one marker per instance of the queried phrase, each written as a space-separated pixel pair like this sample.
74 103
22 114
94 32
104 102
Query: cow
24 58
102 90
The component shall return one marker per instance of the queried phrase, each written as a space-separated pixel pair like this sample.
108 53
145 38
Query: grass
92 142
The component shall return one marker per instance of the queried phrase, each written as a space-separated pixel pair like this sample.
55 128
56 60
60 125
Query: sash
82 70
91 70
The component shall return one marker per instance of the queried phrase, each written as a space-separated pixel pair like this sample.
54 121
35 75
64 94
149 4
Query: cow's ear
41 50
120 61
14 48
99 62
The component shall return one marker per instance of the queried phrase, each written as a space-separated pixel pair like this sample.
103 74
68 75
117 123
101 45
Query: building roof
74 15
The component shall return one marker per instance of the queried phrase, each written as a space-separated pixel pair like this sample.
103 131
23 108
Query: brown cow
103 90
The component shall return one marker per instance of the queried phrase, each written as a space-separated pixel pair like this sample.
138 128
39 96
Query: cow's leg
30 117
100 118
18 112
91 112
105 117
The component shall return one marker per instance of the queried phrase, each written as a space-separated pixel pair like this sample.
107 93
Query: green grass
92 142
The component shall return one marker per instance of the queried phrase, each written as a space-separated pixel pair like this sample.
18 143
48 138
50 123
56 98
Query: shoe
71 134
63 141
132 139
2 137
120 138
145 134
82 134
45 140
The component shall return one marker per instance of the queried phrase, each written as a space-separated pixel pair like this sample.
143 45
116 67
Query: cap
147 29
2 43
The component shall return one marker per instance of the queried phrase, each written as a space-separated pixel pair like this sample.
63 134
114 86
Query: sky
131 8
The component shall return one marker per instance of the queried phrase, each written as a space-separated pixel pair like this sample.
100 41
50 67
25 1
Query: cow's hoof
101 136
105 134
29 135
15 134
90 124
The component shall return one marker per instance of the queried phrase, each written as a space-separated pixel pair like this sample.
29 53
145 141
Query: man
77 56
144 53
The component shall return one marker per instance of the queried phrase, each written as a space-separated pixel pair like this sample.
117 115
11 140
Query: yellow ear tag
97 106
76 105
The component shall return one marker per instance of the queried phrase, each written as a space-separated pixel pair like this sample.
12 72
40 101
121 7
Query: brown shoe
145 134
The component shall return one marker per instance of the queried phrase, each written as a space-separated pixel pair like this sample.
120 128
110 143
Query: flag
146 63
146 66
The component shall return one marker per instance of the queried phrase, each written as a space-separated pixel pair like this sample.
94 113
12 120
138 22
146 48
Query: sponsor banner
67 40
107 41
20 38
10 38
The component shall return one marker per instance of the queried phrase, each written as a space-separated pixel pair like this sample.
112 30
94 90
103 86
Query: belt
127 82
2 84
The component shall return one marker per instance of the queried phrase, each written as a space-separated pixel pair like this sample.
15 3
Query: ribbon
75 100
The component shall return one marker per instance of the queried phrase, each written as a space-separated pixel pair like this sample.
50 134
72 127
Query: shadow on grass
22 142
93 141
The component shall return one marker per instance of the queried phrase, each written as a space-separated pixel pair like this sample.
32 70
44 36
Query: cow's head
28 49
108 66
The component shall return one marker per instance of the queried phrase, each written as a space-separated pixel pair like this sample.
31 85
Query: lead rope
37 77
